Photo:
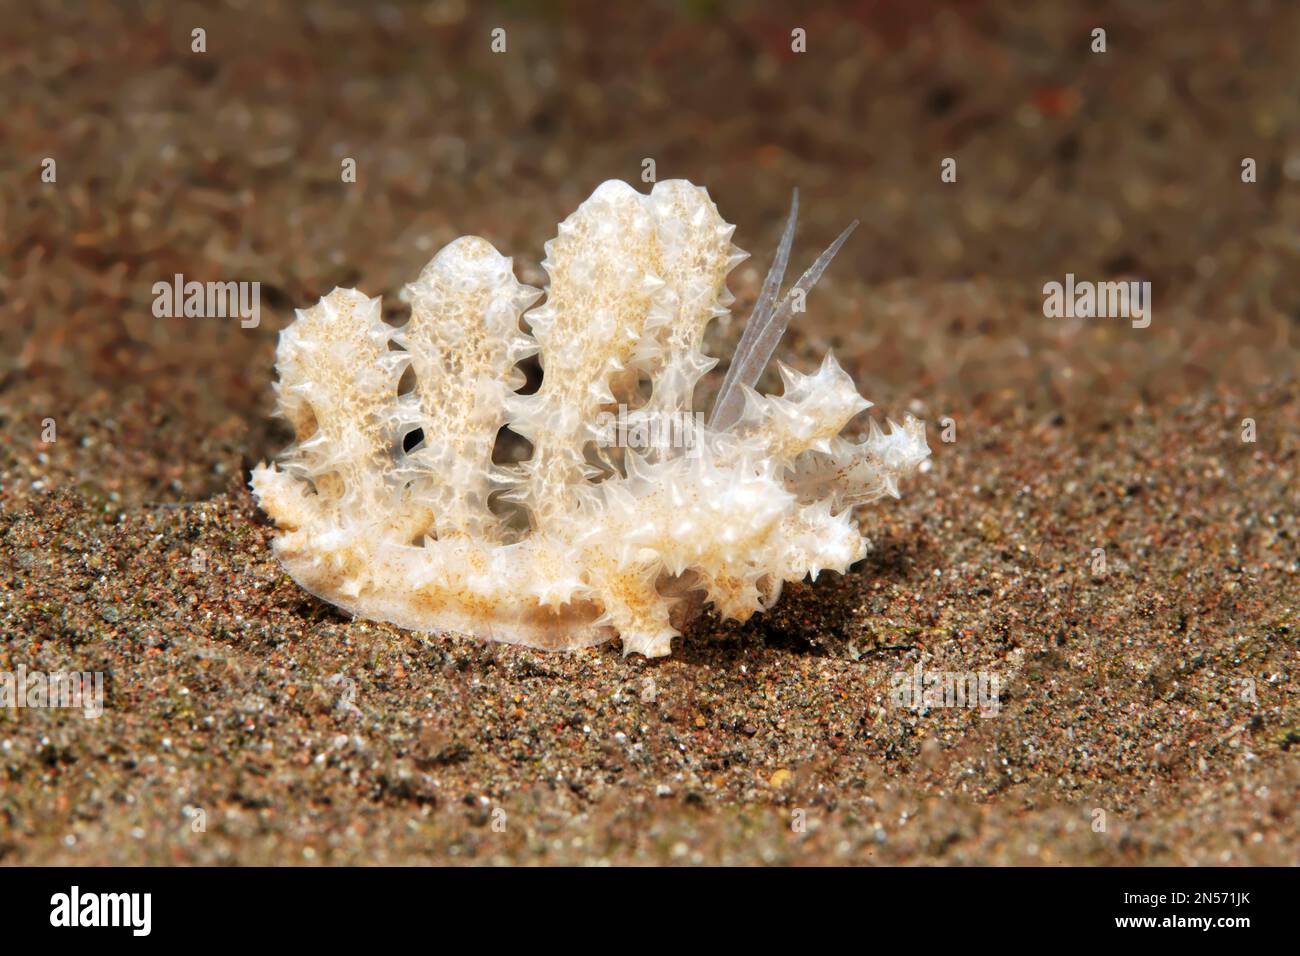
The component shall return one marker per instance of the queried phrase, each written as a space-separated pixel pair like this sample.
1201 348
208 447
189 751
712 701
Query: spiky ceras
579 542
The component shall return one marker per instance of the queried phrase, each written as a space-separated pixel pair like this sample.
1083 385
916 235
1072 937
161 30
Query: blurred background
225 165
131 545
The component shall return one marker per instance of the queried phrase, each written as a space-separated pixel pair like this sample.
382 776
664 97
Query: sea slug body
584 540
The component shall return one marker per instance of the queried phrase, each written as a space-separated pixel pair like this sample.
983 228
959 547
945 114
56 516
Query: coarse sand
1094 532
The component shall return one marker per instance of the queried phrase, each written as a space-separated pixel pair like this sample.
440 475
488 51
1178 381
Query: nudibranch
390 504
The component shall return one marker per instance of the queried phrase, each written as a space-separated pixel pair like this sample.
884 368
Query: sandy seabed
1148 708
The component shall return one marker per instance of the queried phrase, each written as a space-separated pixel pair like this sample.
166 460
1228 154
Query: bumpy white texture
618 541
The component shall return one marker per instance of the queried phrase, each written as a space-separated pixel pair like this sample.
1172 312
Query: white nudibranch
594 535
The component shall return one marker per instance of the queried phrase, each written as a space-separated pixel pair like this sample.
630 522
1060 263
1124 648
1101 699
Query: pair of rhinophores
580 542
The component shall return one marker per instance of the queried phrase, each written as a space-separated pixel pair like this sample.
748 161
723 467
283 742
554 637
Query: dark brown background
1124 691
